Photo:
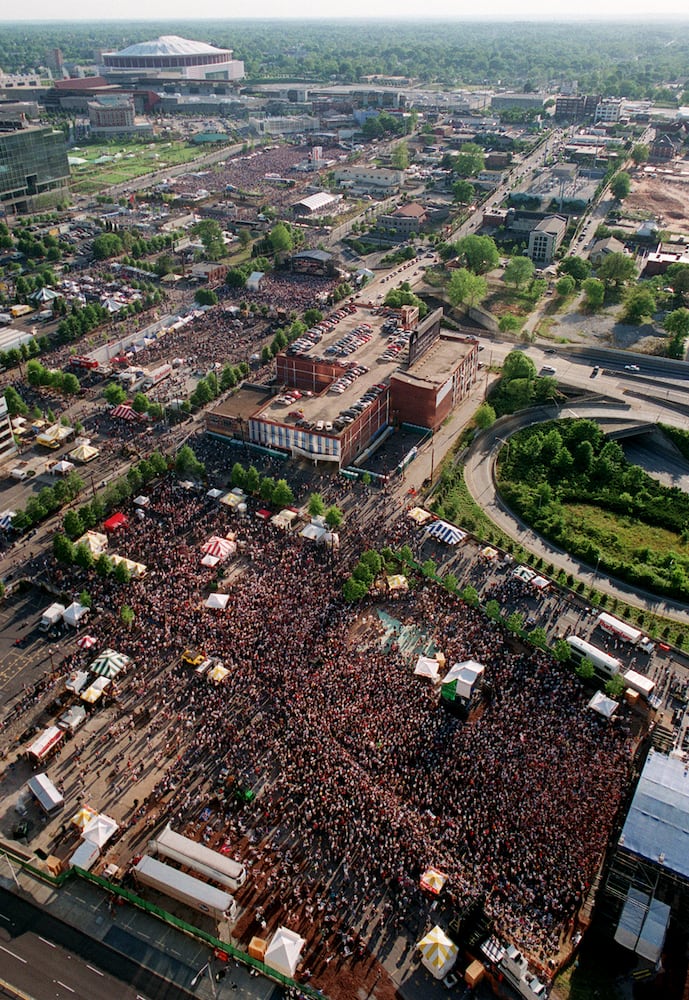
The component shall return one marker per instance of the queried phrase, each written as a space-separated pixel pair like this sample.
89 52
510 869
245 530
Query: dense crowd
363 779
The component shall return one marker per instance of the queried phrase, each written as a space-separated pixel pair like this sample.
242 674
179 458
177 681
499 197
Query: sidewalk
137 936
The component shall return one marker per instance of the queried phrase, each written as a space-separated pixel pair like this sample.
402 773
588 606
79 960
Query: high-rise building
7 445
34 172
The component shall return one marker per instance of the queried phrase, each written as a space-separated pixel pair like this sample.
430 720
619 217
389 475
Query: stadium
172 57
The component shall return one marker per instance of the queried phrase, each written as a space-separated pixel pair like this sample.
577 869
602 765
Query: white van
548 370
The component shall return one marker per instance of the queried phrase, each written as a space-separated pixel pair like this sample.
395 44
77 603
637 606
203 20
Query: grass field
128 160
624 537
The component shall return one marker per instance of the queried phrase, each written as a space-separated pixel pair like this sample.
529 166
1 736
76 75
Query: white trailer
200 858
639 683
621 630
186 889
602 661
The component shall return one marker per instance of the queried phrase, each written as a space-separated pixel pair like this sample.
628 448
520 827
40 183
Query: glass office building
34 172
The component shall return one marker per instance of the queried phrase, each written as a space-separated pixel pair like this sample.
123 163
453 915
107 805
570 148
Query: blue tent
444 532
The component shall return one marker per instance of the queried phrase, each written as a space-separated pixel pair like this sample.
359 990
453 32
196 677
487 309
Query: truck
626 633
185 888
51 617
157 376
213 865
640 683
604 664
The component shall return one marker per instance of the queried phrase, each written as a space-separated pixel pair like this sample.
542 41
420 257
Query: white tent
96 541
426 667
282 954
74 614
142 501
214 494
85 856
76 682
209 560
438 952
603 705
313 531
100 829
62 467
217 601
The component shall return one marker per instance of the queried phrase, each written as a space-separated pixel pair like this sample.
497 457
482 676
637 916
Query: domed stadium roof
170 45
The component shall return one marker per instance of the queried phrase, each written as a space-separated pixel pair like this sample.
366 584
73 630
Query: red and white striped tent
124 412
221 548
86 641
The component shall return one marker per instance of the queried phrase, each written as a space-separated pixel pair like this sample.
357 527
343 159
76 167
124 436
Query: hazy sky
546 10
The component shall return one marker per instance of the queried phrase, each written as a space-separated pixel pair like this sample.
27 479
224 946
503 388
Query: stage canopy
643 924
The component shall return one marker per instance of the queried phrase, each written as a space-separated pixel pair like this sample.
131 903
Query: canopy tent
93 693
124 412
218 601
84 453
136 569
314 532
283 952
218 673
419 515
230 500
396 582
74 614
221 548
96 541
6 519
214 494
446 533
109 663
330 538
461 680
603 705
83 817
76 682
45 295
112 305
524 573
85 855
438 952
72 718
489 553
48 740
210 561
62 467
100 829
142 501
117 521
87 641
433 881
426 667
284 519
540 583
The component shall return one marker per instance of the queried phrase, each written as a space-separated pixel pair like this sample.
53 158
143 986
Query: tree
238 476
565 286
640 304
508 323
484 416
518 365
280 238
677 277
677 324
85 599
16 407
470 596
539 637
282 494
63 549
210 234
140 403
206 297
640 153
121 573
252 481
466 288
450 583
470 160
614 688
585 670
400 156
463 192
594 293
266 489
616 269
72 525
83 556
187 464
236 277
479 253
515 621
70 384
114 394
333 517
621 185
316 507
562 651
127 615
354 590
107 245
104 566
576 267
518 271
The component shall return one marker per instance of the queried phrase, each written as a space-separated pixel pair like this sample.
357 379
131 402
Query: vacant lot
664 196
115 163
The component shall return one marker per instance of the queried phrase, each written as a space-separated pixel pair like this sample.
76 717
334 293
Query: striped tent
438 952
109 664
124 412
221 548
444 532
86 641
6 519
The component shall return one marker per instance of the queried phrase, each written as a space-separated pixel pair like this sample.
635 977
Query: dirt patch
665 196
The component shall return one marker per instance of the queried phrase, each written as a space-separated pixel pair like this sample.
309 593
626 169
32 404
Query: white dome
170 45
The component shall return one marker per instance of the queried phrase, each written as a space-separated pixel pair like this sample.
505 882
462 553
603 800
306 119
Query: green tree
140 403
640 304
640 153
85 599
238 476
63 549
266 489
210 234
620 185
594 293
107 245
187 464
104 566
576 267
518 365
484 416
400 156
565 286
316 507
450 583
562 651
616 269
466 288
470 160
677 324
519 271
515 621
463 192
121 573
127 615
282 494
206 297
614 688
508 323
585 670
16 407
114 394
281 239
72 525
470 596
539 637
333 517
83 556
479 253
354 590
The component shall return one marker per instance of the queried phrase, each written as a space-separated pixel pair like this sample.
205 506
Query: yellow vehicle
192 657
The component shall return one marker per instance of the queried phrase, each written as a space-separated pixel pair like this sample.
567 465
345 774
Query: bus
603 663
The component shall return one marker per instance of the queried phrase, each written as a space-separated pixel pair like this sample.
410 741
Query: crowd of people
362 779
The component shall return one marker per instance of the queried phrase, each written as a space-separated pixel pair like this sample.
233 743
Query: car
192 657
595 370
632 368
